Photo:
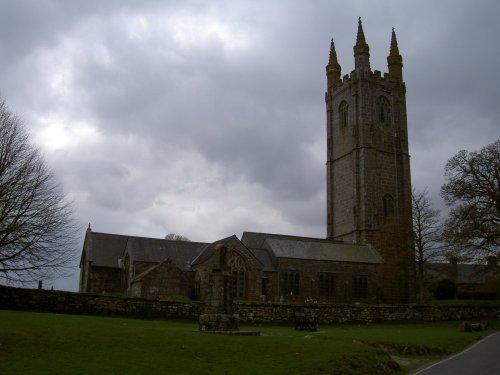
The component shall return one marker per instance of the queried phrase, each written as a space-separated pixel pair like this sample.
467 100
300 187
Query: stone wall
344 272
104 279
337 314
93 304
165 279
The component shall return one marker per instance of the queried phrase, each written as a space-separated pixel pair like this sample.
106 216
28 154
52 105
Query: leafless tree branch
473 193
37 229
176 237
427 230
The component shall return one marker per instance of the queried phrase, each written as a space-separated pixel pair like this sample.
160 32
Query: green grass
42 343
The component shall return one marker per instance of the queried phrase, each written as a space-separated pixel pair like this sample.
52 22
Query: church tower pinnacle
333 69
395 60
361 50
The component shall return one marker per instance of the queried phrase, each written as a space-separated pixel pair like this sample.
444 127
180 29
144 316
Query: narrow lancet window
384 111
388 205
343 114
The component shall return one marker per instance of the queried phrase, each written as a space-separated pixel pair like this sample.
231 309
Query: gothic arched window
238 275
388 205
384 111
343 114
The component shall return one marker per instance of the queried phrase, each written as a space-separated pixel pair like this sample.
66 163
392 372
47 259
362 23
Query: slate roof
256 240
264 257
308 248
323 250
153 250
106 249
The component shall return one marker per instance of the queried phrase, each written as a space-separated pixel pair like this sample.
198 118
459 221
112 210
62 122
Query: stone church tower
368 164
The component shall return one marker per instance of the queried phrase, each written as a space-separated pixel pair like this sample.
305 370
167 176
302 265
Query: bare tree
176 237
427 232
473 193
37 230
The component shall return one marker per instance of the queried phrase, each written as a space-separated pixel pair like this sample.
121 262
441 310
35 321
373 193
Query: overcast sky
207 118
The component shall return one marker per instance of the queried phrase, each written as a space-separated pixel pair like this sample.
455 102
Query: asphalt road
481 358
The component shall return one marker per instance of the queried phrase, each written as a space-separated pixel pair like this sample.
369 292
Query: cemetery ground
44 343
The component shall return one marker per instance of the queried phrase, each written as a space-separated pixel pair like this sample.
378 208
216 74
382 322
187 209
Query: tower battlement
376 75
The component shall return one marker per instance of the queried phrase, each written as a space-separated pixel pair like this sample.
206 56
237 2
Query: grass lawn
42 343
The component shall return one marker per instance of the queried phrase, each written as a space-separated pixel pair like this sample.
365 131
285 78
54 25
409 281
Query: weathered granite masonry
92 304
368 165
338 314
218 310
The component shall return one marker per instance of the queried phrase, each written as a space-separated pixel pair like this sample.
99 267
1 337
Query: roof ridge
322 240
301 238
125 235
145 238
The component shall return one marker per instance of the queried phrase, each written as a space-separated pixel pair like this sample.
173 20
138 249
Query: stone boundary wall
335 314
94 304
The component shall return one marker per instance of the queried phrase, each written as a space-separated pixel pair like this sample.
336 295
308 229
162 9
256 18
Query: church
368 255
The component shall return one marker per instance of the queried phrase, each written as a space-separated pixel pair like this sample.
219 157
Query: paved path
481 358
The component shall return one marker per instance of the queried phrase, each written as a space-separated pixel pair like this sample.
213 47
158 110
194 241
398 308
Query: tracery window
238 275
290 283
343 114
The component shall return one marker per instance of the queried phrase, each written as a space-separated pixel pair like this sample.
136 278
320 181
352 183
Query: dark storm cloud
215 103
